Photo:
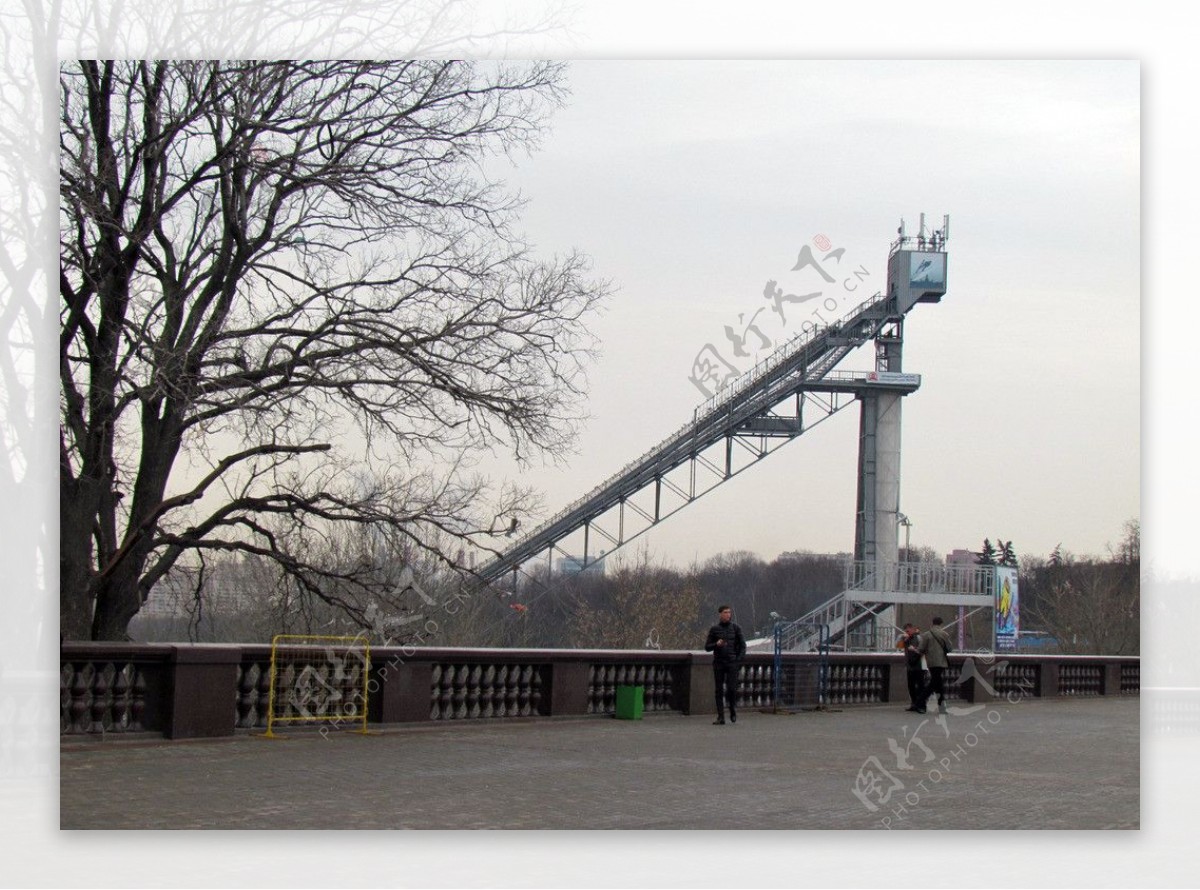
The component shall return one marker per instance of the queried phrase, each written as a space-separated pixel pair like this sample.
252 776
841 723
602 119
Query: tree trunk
118 599
74 566
79 500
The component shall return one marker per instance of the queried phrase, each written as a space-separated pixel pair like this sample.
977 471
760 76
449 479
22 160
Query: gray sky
693 183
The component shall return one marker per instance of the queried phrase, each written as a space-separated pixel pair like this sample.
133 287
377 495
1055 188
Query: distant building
840 556
961 557
573 565
175 596
163 602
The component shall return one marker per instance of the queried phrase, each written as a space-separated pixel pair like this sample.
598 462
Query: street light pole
907 523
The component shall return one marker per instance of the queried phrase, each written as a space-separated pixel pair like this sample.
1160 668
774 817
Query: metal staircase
841 617
873 588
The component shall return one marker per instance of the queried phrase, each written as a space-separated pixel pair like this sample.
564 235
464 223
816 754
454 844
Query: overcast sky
691 184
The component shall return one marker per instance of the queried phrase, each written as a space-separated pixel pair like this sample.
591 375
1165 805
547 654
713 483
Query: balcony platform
931 598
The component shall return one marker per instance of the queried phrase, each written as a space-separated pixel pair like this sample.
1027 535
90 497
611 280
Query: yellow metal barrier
319 679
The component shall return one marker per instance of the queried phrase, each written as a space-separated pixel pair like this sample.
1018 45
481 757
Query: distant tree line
1086 604
636 603
1081 604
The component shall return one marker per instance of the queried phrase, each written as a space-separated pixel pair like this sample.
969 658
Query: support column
864 526
887 477
878 478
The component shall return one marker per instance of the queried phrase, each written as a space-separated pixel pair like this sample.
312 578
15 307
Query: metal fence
801 684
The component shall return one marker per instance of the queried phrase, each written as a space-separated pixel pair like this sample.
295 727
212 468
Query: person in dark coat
910 645
727 644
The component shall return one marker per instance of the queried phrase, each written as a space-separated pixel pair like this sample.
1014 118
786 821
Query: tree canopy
288 290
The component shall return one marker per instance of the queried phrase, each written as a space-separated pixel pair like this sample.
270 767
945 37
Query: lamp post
907 523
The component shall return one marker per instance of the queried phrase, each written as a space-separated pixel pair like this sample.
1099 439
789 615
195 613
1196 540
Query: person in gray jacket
935 646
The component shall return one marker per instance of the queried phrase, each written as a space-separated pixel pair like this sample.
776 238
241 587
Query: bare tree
1129 551
923 554
638 605
1090 606
284 287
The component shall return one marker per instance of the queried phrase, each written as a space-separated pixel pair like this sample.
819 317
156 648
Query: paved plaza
1061 764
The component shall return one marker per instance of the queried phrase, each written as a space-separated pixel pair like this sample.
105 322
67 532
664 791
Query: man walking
935 646
728 645
910 644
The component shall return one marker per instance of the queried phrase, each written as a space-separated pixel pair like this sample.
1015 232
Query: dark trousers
936 684
725 677
916 685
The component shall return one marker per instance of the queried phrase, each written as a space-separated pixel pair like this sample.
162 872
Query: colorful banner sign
1008 608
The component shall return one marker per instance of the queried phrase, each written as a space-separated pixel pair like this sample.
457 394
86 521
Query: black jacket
735 642
912 659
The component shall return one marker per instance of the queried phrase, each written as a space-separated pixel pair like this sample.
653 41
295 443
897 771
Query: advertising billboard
927 271
1008 608
894 377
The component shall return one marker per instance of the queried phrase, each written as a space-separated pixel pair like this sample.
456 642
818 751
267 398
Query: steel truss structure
778 400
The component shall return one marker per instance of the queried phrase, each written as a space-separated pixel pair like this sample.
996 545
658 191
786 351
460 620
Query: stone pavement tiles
1034 764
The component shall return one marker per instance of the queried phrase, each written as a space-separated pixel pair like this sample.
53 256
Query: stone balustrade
182 691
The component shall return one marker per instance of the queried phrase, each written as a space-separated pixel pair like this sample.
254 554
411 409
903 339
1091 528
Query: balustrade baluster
262 707
81 696
81 704
593 688
474 691
435 692
598 689
120 698
102 699
524 691
496 693
353 695
285 690
137 704
487 688
511 688
247 695
329 690
459 695
446 693
66 678
535 690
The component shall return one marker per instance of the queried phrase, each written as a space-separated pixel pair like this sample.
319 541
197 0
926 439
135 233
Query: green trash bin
631 701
